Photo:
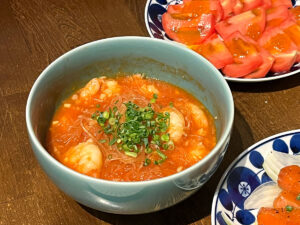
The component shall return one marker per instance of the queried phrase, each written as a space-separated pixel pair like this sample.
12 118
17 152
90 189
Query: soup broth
130 128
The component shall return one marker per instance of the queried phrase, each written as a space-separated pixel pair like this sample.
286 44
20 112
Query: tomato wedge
227 6
213 7
281 47
250 23
245 55
287 3
231 7
214 50
270 216
265 67
286 198
186 30
276 16
266 4
250 4
293 31
295 12
289 179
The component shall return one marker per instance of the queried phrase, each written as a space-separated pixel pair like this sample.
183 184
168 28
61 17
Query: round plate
244 175
153 13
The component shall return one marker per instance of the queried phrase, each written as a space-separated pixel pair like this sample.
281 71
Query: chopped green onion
147 162
138 126
125 147
171 145
289 208
105 115
152 100
298 197
155 96
102 141
112 141
171 104
97 105
165 146
165 137
148 150
132 154
162 155
112 121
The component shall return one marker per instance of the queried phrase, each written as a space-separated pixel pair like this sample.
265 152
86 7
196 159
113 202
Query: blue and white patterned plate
245 174
156 8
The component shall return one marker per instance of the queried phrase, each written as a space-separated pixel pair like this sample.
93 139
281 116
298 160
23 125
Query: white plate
153 12
244 175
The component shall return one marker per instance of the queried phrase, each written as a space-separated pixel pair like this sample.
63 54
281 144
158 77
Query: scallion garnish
298 197
289 208
147 162
132 154
143 128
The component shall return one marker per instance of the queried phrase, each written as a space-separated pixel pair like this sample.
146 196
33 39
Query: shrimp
177 123
198 151
199 118
90 89
109 88
149 90
85 158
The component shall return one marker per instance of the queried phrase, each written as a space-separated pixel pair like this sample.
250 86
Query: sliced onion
275 161
263 196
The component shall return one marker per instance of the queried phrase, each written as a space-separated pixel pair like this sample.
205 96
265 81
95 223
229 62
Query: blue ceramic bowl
156 58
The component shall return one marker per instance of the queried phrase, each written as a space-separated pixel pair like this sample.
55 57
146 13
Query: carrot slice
270 216
286 198
289 179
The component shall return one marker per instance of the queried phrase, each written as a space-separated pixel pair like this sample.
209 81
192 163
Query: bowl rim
38 146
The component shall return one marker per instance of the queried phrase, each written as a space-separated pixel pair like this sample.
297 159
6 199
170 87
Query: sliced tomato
250 4
238 7
227 6
265 67
277 12
276 16
287 3
245 55
271 216
214 50
212 6
250 23
191 6
286 198
281 47
295 13
266 4
293 31
175 8
188 31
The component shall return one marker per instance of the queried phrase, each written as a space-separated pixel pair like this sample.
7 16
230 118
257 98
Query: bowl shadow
198 206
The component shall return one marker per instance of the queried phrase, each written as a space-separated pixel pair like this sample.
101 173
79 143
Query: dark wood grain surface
35 32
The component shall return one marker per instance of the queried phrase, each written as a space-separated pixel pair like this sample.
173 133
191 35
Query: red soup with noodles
130 128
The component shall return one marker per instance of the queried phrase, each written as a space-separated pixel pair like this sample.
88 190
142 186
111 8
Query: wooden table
35 32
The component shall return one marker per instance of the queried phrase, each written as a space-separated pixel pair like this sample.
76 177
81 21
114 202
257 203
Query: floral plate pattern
156 8
245 174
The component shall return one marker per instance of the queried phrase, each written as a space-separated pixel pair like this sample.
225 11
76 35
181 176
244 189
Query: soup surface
130 128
